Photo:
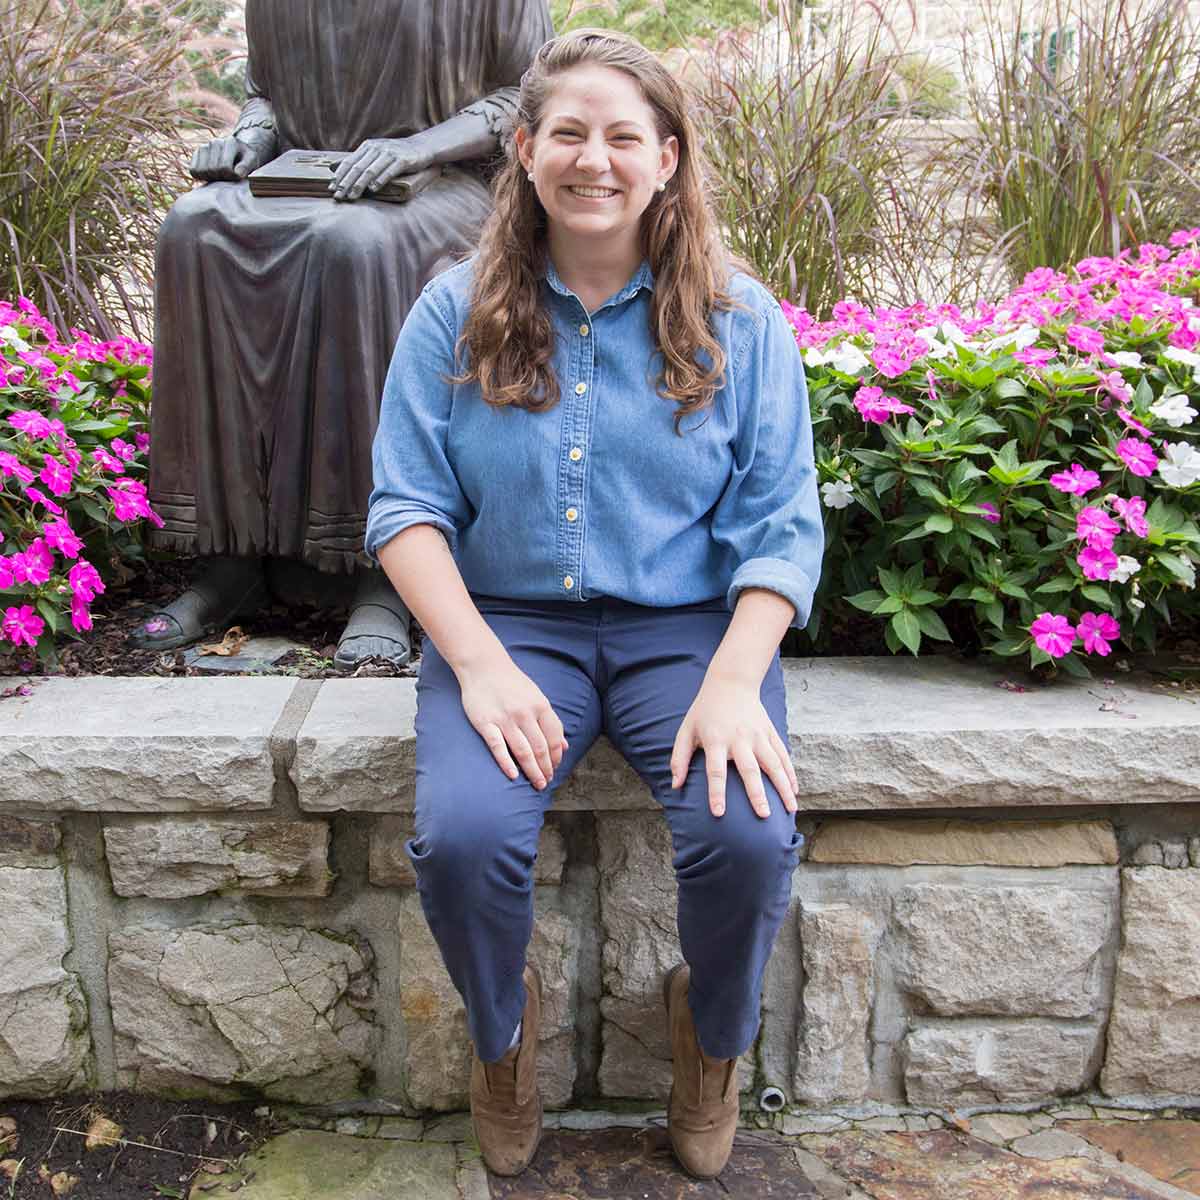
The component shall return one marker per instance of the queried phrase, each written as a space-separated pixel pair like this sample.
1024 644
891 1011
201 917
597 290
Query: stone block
641 944
438 1050
954 1064
951 841
212 1010
1175 855
965 744
1148 854
45 1048
390 866
832 1061
28 843
172 859
141 745
986 950
1194 851
1154 1030
356 749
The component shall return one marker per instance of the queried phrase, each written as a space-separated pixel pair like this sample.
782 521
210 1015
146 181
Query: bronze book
310 172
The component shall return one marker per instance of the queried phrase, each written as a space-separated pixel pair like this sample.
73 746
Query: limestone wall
203 892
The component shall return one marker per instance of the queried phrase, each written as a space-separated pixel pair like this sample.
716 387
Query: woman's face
597 158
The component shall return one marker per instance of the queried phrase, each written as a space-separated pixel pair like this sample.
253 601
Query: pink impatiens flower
58 477
81 617
1133 513
875 407
85 580
1137 456
106 462
1097 562
1053 634
1097 630
1096 528
990 511
1076 481
61 537
22 626
123 449
143 441
36 495
1129 419
1085 339
1034 356
34 425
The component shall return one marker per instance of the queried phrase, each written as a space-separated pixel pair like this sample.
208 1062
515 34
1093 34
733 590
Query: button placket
581 363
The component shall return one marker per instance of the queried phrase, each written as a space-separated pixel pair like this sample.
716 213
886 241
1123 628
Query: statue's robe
275 318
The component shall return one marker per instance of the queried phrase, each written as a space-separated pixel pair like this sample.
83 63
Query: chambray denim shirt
597 496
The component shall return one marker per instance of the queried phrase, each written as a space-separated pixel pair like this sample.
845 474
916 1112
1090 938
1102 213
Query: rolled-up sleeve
414 482
769 515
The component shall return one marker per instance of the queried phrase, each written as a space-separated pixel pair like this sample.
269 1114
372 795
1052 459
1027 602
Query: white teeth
591 191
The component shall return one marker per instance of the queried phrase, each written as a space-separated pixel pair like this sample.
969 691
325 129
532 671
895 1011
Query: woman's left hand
727 721
375 163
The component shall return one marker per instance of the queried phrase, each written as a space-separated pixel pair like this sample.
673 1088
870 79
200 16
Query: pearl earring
662 187
530 176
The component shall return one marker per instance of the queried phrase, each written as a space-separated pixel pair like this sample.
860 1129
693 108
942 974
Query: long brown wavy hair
507 342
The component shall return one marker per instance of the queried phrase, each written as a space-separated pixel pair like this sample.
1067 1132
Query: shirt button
583 331
580 388
572 513
568 582
576 454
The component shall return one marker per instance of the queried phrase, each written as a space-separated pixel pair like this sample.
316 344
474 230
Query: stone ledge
866 734
140 745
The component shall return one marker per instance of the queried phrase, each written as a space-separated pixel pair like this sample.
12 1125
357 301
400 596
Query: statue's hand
228 159
376 162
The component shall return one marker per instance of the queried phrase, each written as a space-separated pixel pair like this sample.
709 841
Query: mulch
165 1144
125 604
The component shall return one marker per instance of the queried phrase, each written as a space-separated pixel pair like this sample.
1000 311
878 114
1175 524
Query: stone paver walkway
1076 1153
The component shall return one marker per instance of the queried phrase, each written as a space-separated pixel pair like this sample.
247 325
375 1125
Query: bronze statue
276 317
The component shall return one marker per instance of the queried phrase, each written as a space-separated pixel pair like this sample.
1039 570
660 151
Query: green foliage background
659 26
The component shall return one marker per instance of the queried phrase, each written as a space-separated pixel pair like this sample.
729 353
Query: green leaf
1013 589
50 613
932 625
1180 566
1097 595
1071 665
868 601
890 581
1008 389
923 596
939 523
995 613
908 629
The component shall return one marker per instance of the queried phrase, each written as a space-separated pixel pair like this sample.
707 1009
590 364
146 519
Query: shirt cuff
384 525
776 575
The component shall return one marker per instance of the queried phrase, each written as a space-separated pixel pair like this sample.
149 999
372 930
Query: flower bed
1025 473
73 445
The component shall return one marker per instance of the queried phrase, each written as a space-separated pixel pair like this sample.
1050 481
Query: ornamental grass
95 103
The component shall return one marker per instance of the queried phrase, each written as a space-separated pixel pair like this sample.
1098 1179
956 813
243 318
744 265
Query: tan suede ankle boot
505 1103
702 1114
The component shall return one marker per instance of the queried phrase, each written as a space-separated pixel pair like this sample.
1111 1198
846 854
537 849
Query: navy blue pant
630 672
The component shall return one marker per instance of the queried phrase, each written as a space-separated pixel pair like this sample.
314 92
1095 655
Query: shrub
91 155
73 444
662 25
1021 479
1086 130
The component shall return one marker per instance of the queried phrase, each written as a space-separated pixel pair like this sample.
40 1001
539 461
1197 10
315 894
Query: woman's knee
475 845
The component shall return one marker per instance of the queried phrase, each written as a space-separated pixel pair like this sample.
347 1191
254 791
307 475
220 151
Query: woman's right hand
512 715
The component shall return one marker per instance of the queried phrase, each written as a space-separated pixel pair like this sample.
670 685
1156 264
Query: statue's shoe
189 616
373 631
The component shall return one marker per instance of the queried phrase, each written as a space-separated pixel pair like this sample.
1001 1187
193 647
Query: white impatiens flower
1175 410
1180 464
1020 338
837 494
1126 568
1176 354
1126 358
847 358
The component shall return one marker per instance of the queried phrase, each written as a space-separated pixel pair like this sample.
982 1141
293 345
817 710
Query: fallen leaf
63 1184
213 1167
10 1167
44 1173
8 1133
210 1132
102 1132
230 644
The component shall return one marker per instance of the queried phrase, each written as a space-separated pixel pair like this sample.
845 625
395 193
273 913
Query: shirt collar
643 277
